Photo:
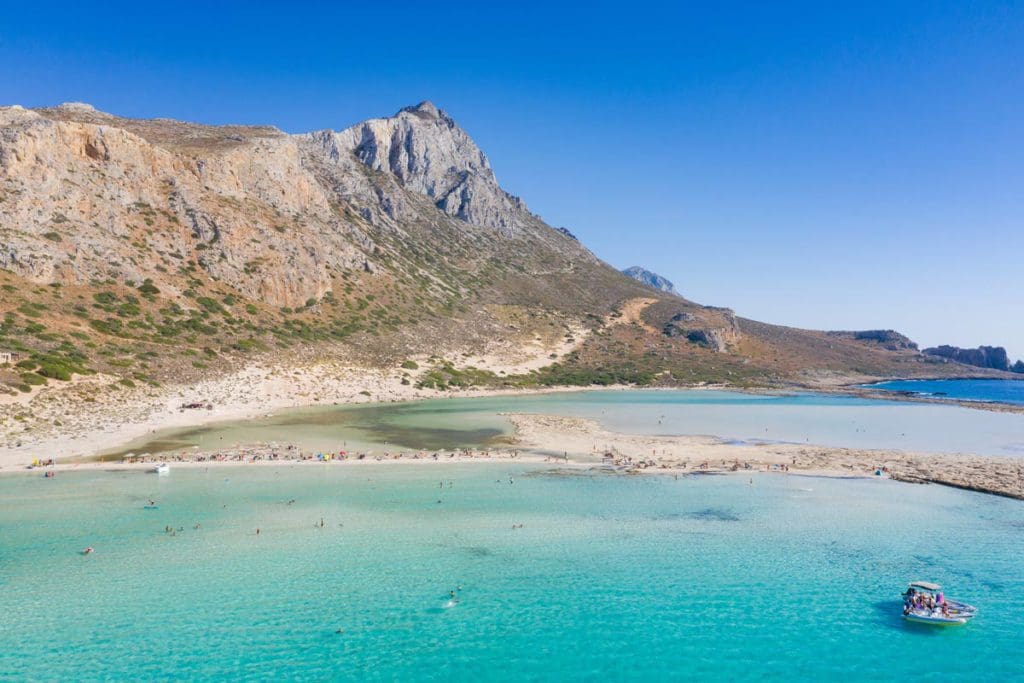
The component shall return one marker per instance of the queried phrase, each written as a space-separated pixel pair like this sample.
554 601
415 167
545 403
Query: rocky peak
428 153
426 109
652 280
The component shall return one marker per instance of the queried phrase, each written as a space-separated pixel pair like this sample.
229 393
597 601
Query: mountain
652 280
159 251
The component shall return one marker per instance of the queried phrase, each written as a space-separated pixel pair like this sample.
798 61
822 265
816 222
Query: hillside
152 252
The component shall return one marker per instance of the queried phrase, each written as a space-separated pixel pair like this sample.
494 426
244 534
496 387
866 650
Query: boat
162 468
924 603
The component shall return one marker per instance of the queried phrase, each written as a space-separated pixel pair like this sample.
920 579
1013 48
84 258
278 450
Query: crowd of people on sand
291 453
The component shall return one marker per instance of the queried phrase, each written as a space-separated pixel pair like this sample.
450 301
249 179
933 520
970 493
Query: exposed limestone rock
888 339
699 329
86 196
983 357
424 149
652 280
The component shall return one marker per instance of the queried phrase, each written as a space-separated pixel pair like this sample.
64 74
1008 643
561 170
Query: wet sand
578 439
578 443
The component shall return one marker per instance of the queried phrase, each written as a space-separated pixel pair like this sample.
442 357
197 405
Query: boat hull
936 621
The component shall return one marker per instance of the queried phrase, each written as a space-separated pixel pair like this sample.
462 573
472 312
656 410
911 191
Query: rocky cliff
427 153
87 196
992 357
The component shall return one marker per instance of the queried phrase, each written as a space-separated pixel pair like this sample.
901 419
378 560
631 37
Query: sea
998 391
495 571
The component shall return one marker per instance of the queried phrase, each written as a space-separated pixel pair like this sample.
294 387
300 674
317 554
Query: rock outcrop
993 357
713 328
652 280
887 339
428 153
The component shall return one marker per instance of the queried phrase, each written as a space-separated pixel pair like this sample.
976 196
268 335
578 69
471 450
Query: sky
823 165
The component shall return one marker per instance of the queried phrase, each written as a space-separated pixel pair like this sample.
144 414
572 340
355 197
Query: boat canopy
925 585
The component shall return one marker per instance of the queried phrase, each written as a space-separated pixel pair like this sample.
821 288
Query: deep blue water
1001 391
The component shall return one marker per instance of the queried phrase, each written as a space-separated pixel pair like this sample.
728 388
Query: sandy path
632 313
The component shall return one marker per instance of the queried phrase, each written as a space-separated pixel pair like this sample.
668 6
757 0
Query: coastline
71 432
582 444
80 421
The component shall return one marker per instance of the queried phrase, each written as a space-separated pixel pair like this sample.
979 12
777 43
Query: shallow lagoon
826 420
610 577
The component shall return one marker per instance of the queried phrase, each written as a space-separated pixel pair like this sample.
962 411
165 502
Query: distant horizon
809 166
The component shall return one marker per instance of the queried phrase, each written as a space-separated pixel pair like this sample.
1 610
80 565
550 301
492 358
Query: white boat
924 603
162 468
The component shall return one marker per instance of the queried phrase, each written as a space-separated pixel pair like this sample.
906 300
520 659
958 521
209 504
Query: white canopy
924 585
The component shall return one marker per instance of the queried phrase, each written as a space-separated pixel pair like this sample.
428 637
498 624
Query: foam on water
634 578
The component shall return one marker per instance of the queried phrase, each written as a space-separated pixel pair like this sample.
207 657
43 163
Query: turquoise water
610 578
1001 391
463 422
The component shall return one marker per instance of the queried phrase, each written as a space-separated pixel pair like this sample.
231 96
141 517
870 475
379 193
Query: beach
75 422
584 444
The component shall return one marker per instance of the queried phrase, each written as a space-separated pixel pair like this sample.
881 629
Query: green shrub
33 378
410 365
148 289
55 371
209 304
105 298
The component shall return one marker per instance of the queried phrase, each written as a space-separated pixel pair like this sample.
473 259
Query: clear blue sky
808 164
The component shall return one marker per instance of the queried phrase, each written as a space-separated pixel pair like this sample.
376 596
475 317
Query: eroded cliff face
88 197
993 357
712 327
424 149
